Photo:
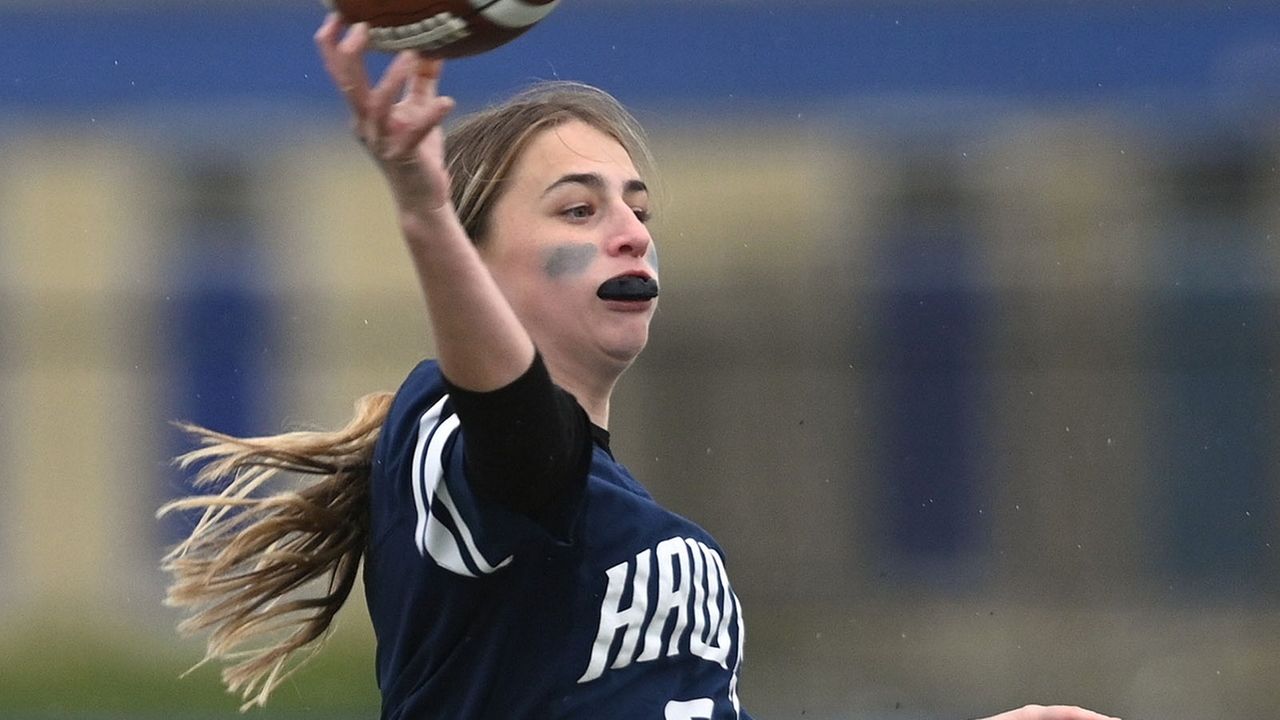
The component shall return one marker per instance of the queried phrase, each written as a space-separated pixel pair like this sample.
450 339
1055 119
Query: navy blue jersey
480 612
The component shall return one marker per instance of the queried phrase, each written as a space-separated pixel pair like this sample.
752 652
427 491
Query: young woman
513 568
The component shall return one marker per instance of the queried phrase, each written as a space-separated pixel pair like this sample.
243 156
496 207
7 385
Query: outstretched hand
1053 712
398 119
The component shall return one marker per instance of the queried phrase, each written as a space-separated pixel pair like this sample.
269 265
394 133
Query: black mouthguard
628 287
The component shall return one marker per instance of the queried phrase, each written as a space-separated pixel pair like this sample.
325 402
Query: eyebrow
596 182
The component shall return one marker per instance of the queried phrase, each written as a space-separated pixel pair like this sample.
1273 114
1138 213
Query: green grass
61 671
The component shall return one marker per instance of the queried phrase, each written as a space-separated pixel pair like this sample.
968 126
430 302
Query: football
443 28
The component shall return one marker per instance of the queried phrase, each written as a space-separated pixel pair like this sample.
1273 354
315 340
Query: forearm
480 343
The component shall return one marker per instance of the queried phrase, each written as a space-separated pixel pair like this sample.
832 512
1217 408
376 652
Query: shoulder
424 378
422 389
612 474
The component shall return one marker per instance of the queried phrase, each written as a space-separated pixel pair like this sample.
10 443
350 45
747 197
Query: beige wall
78 273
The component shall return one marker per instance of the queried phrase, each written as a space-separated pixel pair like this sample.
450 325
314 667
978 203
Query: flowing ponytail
251 550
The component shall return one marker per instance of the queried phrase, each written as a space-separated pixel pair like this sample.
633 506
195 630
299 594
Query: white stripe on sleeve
426 424
432 536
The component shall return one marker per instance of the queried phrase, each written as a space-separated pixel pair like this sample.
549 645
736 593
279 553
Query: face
569 247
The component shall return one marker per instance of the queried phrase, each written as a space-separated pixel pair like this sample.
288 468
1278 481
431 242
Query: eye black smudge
652 256
569 260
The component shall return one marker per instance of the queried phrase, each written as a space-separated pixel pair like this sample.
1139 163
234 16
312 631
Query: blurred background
967 351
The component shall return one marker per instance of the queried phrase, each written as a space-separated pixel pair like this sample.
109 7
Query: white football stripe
516 13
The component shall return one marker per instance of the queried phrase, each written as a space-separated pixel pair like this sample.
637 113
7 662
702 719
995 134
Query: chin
625 350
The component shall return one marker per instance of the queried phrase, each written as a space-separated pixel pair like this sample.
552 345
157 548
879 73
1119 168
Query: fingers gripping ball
443 28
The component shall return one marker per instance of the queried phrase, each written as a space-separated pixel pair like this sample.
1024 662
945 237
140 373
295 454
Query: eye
642 214
579 212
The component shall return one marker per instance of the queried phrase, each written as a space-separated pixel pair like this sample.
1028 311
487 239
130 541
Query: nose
629 236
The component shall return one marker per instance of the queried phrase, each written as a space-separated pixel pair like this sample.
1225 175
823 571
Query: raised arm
480 342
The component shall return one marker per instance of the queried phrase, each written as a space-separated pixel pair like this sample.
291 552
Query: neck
591 387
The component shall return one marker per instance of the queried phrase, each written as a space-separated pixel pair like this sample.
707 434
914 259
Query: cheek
568 260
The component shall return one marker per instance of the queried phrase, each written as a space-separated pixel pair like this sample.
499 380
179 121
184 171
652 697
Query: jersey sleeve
527 447
424 458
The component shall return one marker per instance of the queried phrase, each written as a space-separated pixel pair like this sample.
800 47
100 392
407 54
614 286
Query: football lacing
426 34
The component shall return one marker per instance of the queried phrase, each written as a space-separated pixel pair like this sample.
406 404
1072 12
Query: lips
628 288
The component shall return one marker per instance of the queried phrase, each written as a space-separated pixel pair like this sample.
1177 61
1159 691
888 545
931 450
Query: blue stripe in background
1212 472
1214 331
931 422
220 323
78 58
929 419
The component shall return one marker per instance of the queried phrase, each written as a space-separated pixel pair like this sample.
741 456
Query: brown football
443 28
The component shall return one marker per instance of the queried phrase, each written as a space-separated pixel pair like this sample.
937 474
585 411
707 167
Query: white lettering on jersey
710 638
700 709
614 617
683 575
737 663
669 598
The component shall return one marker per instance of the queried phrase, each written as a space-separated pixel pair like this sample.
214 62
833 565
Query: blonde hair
240 569
482 149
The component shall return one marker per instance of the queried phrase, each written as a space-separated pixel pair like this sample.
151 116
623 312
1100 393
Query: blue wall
1154 55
